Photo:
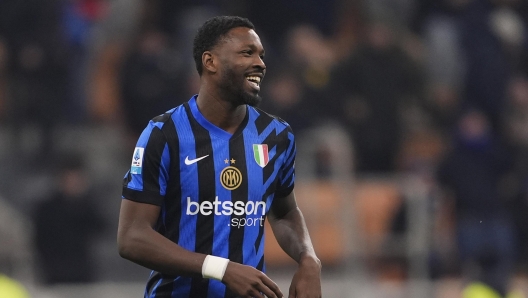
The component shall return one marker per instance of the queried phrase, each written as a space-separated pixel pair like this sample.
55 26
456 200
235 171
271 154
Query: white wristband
214 267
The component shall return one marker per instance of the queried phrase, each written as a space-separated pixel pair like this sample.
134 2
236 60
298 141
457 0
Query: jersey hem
143 196
284 192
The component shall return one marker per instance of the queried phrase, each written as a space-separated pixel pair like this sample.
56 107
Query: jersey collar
210 126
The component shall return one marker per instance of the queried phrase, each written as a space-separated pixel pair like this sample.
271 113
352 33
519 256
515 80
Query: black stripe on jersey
260 265
153 152
236 235
127 179
281 143
262 121
207 191
240 194
260 235
171 228
164 288
230 294
162 118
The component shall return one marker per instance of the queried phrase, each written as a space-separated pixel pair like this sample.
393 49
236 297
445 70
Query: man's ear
209 61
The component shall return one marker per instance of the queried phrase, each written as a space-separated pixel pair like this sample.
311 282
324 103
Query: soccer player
207 174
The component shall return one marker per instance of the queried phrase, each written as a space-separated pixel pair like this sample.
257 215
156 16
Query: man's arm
140 243
289 227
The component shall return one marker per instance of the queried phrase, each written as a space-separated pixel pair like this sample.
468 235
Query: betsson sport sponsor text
228 208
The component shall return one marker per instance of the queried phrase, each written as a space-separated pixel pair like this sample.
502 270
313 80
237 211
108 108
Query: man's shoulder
270 119
163 118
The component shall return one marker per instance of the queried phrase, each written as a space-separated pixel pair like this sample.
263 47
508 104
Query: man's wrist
309 259
214 267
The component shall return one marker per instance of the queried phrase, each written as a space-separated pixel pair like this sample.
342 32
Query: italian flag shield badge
261 154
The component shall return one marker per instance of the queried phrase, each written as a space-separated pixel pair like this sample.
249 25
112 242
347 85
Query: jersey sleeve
146 180
287 172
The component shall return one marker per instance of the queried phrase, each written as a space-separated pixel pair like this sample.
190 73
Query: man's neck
220 111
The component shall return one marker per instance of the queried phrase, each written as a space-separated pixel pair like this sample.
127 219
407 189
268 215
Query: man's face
241 66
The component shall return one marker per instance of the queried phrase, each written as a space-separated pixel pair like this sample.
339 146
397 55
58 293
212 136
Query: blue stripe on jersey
153 292
215 287
164 170
188 178
182 287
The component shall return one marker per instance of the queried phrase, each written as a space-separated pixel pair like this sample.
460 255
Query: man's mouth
254 80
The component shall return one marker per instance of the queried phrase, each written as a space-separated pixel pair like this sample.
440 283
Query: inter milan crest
231 178
260 151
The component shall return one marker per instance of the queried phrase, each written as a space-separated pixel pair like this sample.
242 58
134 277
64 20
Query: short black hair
211 32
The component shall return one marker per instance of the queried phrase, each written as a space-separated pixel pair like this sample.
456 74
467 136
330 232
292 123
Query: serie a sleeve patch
137 160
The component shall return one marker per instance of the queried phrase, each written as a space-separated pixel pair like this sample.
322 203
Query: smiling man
207 174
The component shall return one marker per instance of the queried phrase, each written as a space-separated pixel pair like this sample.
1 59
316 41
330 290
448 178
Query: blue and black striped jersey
214 188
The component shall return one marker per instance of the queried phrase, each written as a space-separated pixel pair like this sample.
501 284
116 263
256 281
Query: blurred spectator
79 18
483 41
445 69
507 25
296 91
37 64
401 11
285 96
516 132
488 68
473 173
295 88
474 47
171 17
110 35
66 225
271 19
515 120
348 23
369 91
153 80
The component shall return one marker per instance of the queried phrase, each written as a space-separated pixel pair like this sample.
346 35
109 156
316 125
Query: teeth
254 79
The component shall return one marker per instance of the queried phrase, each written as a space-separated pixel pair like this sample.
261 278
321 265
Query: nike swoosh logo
191 161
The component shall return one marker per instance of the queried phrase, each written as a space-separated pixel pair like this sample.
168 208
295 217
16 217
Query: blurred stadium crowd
435 89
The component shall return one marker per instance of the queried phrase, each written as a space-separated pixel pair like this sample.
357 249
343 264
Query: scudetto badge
231 178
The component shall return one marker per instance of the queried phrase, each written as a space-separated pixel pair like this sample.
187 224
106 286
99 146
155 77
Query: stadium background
374 90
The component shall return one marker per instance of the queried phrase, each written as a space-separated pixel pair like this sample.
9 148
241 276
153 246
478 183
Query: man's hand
248 282
306 282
